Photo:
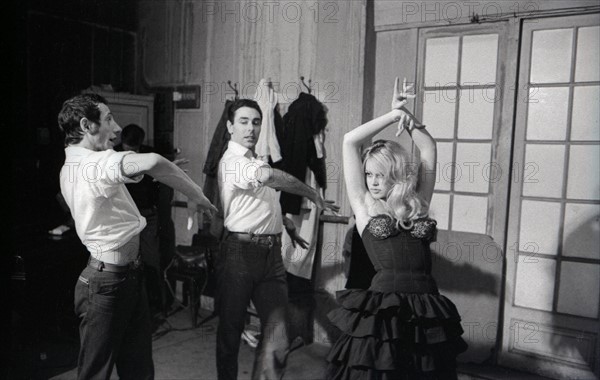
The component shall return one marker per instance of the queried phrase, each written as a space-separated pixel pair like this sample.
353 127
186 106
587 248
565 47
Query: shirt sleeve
242 173
112 172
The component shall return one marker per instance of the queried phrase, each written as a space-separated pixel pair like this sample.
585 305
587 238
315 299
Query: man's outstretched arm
169 173
280 180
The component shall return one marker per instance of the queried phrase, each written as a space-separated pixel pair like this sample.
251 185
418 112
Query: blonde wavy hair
402 202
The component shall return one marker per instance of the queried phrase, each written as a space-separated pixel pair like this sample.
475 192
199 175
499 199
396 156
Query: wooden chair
193 266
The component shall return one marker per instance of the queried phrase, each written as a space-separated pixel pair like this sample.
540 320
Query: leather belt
266 239
102 266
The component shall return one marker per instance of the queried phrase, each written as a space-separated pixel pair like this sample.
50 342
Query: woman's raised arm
354 175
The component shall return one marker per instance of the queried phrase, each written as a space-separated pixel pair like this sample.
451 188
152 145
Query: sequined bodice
401 256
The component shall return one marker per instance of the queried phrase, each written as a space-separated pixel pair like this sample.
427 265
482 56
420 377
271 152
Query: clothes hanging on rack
279 127
297 260
218 145
267 146
306 117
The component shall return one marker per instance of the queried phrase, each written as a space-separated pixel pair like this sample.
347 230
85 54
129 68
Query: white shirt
248 206
106 218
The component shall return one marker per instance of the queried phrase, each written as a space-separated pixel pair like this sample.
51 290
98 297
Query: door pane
544 166
585 124
588 52
473 169
578 291
584 176
551 56
441 61
438 113
476 113
440 209
445 166
479 59
540 223
469 214
547 114
535 282
580 236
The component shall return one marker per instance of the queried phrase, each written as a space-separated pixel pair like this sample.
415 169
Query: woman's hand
405 119
401 96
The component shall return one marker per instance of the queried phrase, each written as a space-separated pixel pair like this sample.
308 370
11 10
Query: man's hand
297 239
326 204
181 161
204 205
293 232
201 204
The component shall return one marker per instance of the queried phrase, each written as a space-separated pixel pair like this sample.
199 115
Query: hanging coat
305 118
218 146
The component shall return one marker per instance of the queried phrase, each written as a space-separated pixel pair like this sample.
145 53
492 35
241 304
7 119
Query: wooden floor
182 353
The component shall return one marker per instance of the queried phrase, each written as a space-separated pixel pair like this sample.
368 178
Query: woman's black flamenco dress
401 327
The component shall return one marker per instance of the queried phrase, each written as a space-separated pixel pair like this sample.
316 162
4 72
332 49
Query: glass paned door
553 251
463 78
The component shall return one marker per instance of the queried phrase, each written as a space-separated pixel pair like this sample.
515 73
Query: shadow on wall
459 269
326 302
566 343
468 270
582 291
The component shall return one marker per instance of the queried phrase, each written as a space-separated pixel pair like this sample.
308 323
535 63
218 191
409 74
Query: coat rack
234 88
305 85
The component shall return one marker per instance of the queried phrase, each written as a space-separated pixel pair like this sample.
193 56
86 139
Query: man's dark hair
75 109
133 135
239 103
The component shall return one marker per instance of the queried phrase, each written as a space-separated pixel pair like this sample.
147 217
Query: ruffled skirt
393 336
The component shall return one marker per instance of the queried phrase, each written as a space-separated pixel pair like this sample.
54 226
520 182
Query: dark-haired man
110 295
250 266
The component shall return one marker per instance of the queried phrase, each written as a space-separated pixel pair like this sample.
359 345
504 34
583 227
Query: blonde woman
401 327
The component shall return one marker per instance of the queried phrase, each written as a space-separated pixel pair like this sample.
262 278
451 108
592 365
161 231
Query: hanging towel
267 144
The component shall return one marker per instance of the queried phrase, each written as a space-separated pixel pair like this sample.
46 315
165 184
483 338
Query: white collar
238 149
72 150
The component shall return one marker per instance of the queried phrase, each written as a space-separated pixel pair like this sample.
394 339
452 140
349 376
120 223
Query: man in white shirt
250 266
110 295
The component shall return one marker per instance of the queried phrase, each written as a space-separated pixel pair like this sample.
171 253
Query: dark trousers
151 256
251 271
115 327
